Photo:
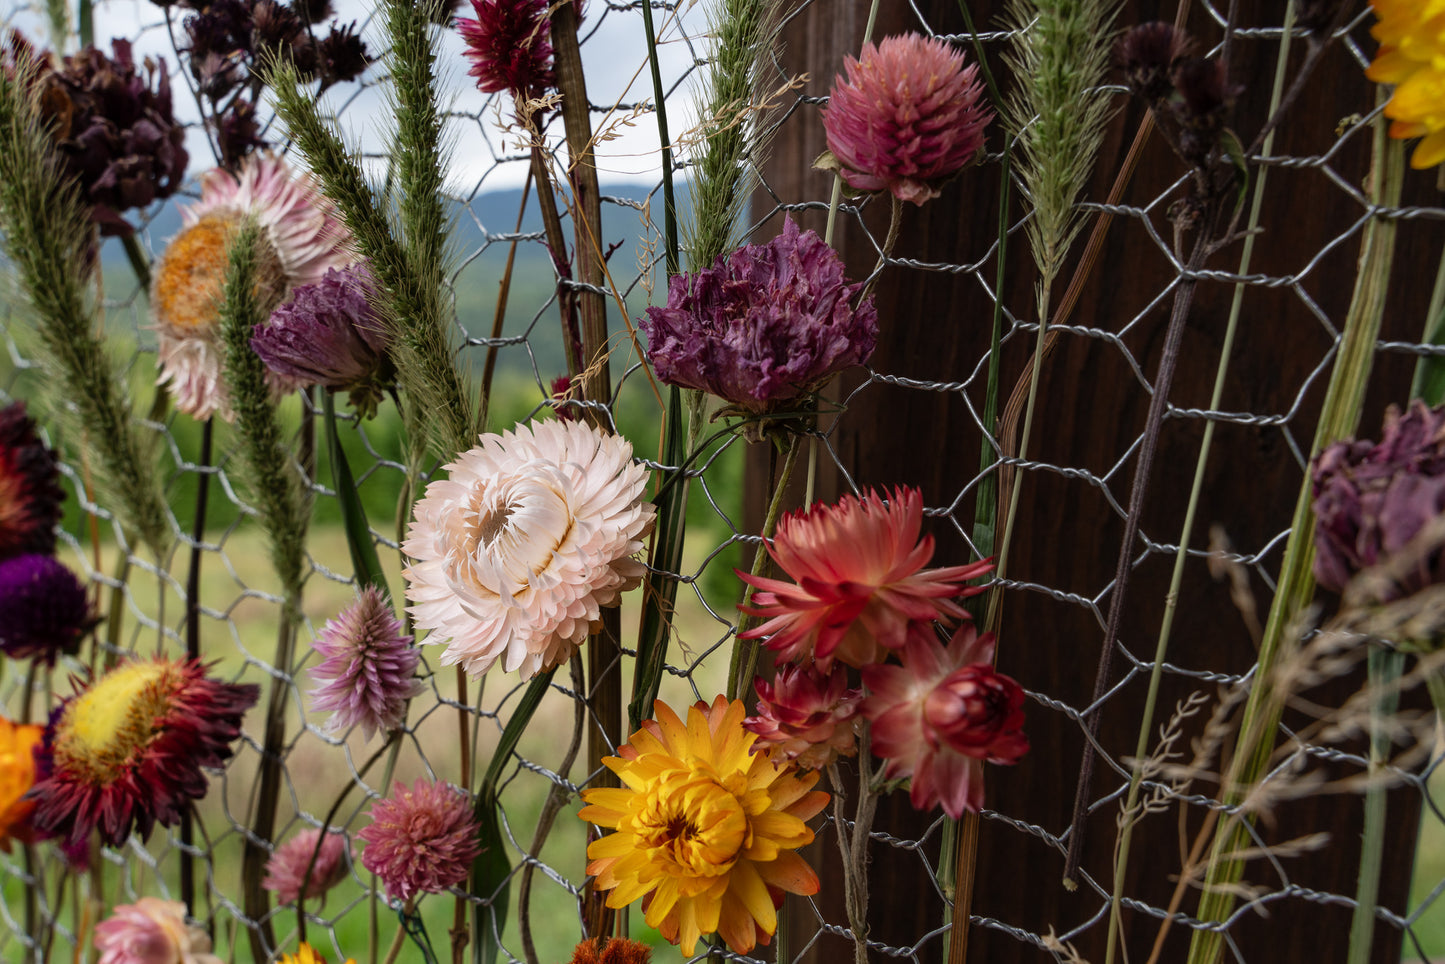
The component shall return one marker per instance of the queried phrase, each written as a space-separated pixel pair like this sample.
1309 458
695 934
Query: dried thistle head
1147 54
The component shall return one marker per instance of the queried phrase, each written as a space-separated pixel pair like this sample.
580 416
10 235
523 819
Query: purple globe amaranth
329 334
367 672
43 609
1372 499
764 325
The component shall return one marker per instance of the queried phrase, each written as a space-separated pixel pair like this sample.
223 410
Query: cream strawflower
519 549
302 236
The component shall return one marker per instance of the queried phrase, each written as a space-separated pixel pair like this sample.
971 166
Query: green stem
659 95
1429 381
1338 419
745 651
837 195
1384 669
1171 598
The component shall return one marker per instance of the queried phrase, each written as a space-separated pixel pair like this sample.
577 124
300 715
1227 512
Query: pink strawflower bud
152 931
421 840
937 717
860 581
367 669
908 116
286 871
808 716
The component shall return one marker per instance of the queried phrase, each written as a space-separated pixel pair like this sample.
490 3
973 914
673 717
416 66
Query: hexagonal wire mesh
340 775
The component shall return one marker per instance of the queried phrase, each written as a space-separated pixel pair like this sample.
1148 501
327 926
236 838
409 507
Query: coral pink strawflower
858 568
286 870
152 931
806 716
908 116
421 840
943 712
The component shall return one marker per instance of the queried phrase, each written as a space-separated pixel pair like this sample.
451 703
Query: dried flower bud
809 716
341 55
1146 55
509 45
1202 101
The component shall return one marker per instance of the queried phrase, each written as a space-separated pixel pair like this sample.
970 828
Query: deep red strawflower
421 840
30 493
509 45
859 581
809 717
127 750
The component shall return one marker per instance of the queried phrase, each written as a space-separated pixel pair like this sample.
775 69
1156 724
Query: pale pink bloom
519 549
858 568
908 116
937 717
367 669
152 931
421 840
302 236
286 870
808 717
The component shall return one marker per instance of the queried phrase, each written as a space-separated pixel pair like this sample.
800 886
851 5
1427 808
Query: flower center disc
692 823
189 278
104 728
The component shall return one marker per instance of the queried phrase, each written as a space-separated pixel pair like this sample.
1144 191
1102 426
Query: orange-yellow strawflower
1412 57
17 775
305 954
706 829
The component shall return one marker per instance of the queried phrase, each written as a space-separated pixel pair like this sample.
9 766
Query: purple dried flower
1372 499
509 47
30 494
366 673
341 55
763 325
43 609
328 334
421 840
1147 54
115 131
286 870
238 135
908 116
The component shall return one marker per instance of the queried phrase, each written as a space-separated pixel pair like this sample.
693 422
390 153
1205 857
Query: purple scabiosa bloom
1372 499
764 325
421 840
30 494
329 335
43 610
509 45
807 715
365 676
286 870
115 131
907 116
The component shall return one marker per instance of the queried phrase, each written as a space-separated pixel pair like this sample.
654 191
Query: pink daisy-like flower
302 237
519 549
807 716
943 712
860 581
367 669
286 870
152 931
421 840
908 116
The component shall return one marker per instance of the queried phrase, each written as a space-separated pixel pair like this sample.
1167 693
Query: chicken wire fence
239 602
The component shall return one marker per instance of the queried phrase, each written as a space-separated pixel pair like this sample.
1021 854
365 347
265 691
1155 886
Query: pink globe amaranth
422 839
906 116
941 713
810 717
286 871
859 581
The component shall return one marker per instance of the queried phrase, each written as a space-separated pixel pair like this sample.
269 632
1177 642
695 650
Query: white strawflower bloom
519 549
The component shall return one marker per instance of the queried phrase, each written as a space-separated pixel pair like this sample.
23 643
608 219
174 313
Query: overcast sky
614 53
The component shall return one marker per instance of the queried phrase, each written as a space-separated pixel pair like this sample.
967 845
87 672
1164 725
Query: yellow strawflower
305 954
1412 57
706 829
